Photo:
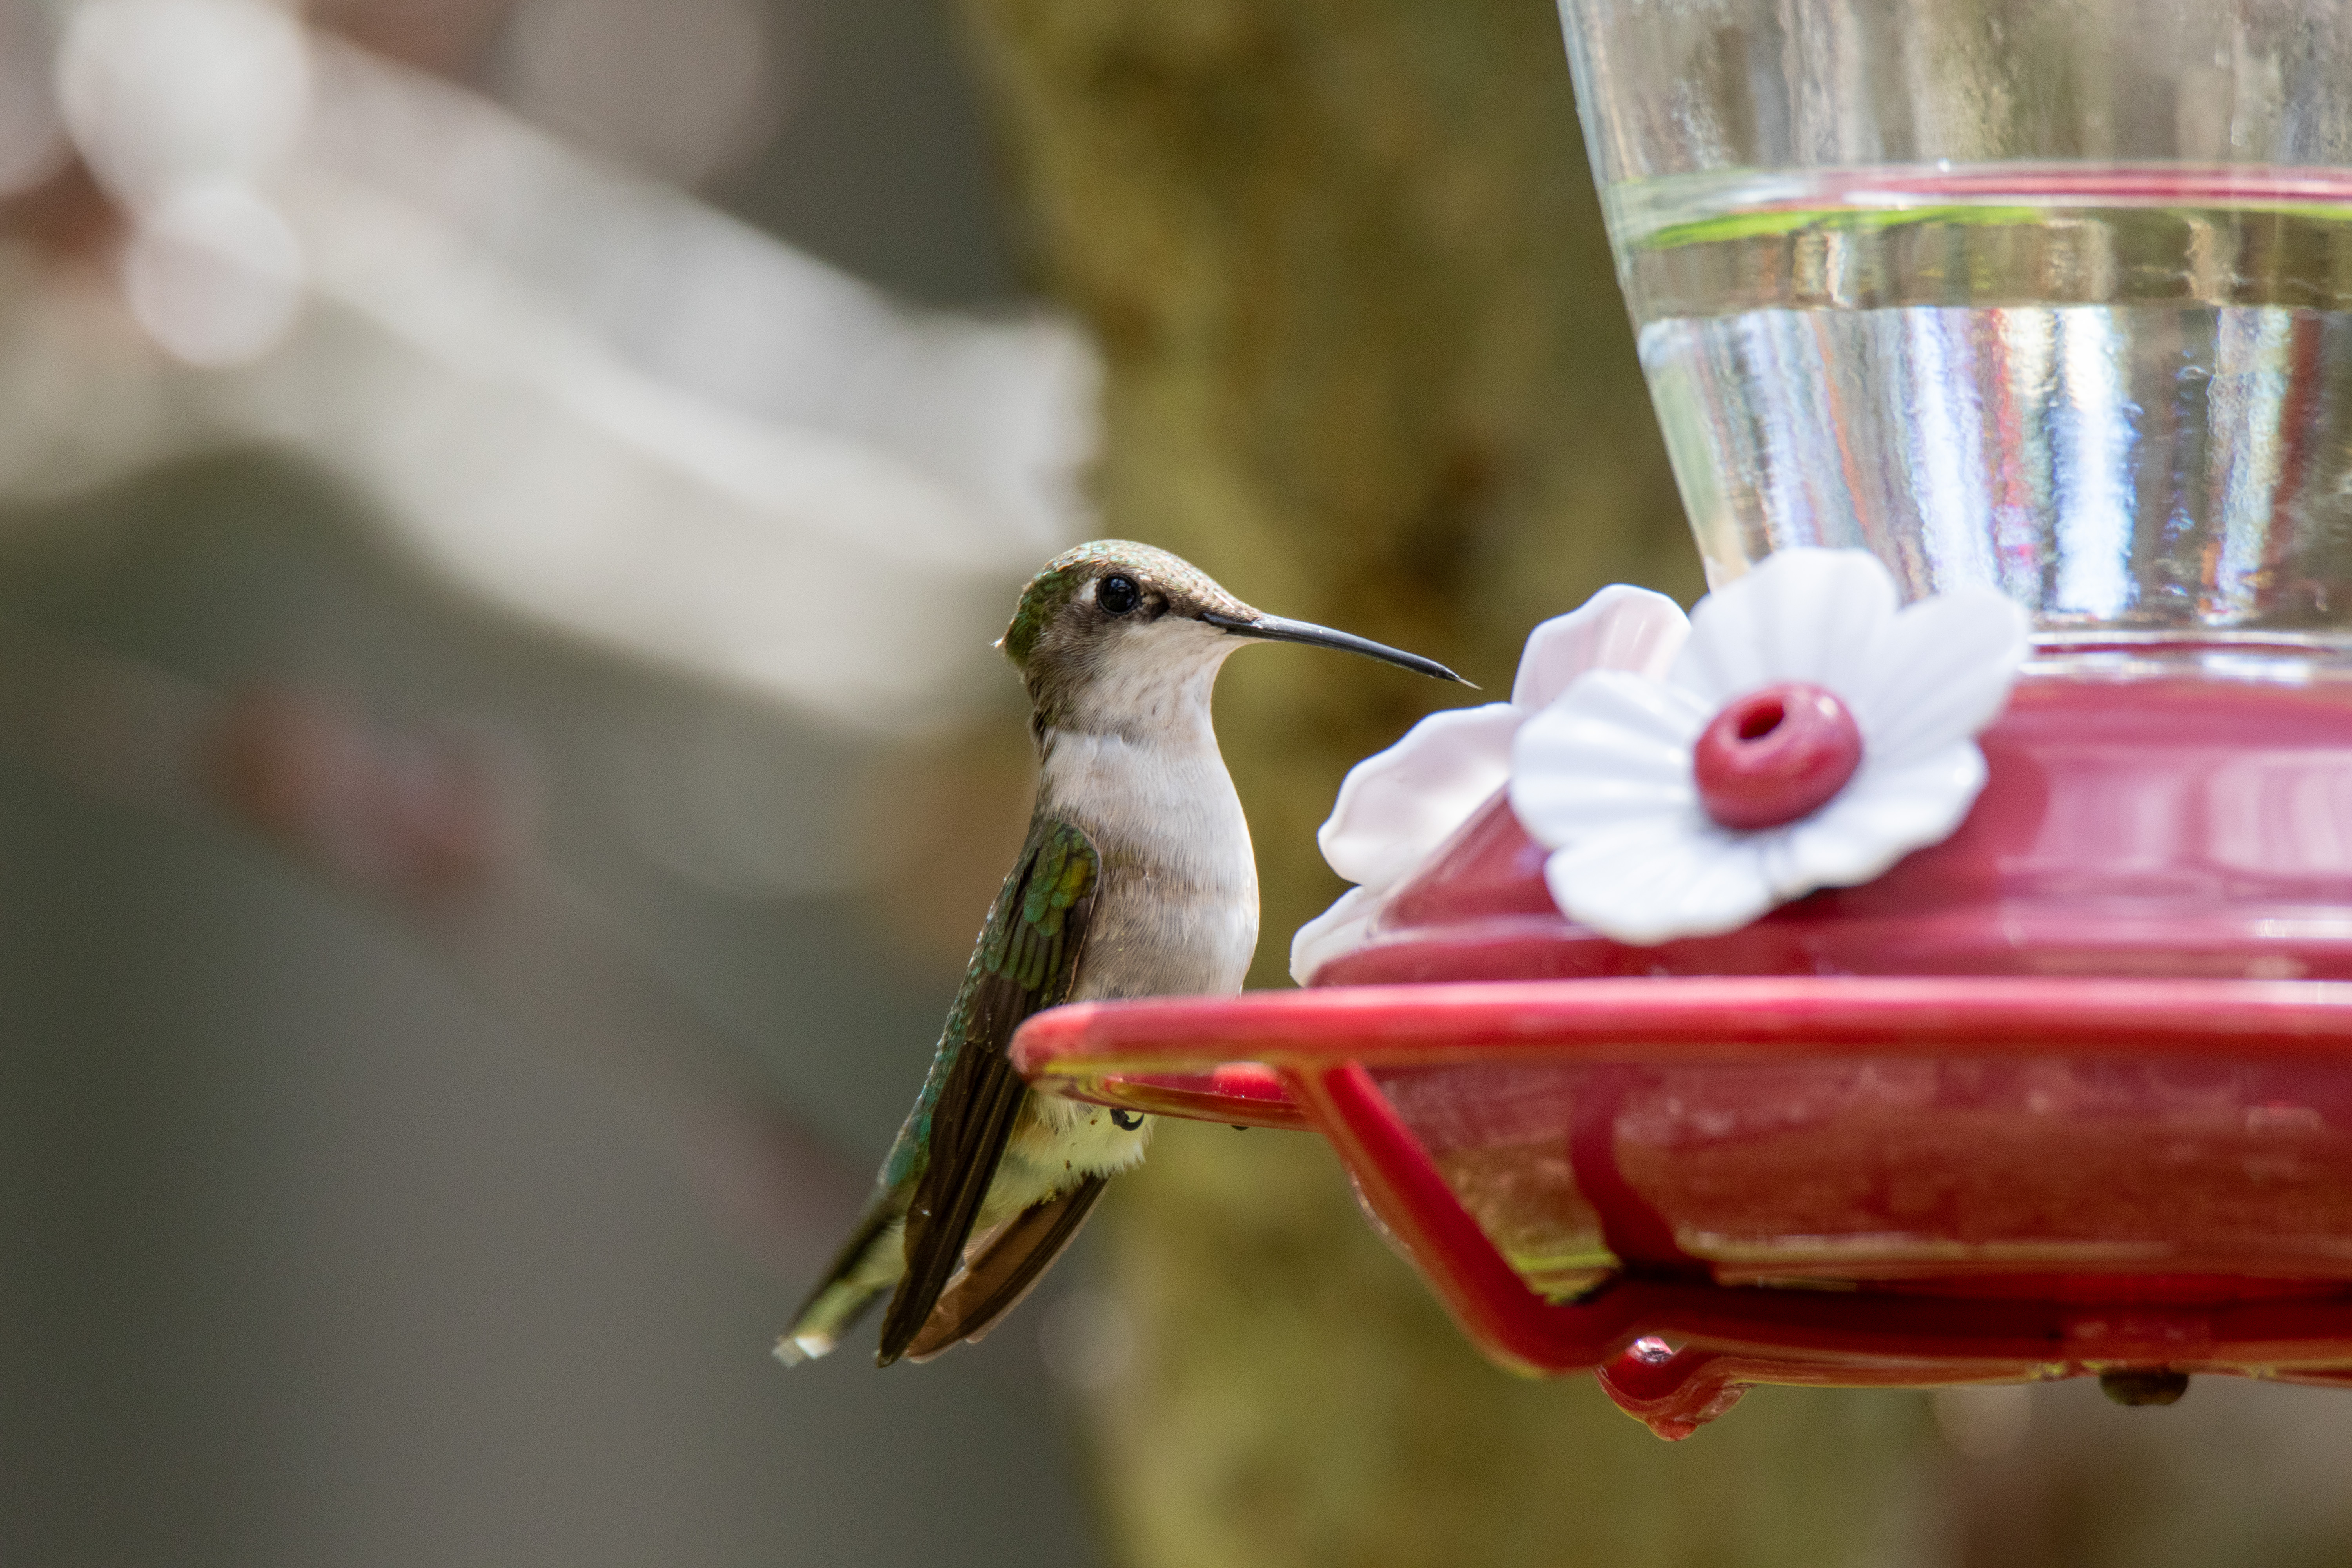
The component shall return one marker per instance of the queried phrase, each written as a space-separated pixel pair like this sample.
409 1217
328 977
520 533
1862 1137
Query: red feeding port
1775 755
2069 1094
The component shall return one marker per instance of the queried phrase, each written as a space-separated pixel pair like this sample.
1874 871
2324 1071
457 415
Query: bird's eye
1117 594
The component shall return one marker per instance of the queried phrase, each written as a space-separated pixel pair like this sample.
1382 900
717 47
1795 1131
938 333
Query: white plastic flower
1808 734
1397 807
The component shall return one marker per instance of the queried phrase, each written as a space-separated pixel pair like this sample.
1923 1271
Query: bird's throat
1177 910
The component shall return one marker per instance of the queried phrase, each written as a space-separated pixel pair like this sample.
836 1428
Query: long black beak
1275 629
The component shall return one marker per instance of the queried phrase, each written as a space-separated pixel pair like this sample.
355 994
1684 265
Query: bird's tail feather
1003 1267
870 1262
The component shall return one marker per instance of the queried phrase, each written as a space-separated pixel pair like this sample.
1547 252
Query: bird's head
1116 634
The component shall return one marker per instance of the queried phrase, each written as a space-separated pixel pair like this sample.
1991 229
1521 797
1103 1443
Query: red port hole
1774 756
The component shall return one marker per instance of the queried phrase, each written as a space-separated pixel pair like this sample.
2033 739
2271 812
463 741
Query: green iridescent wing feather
1026 959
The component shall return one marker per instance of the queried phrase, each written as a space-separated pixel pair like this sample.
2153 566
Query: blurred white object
180 108
215 275
164 94
586 398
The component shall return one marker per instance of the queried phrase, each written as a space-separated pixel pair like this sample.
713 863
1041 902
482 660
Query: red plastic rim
1093 1048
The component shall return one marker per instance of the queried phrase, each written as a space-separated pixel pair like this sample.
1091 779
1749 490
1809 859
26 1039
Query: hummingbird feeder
1932 962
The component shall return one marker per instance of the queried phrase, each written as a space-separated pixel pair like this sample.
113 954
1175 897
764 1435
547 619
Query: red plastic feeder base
2069 1094
1692 1185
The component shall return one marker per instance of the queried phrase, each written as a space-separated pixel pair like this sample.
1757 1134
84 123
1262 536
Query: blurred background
503 508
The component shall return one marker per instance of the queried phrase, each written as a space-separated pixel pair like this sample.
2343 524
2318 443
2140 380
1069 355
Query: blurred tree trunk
1368 365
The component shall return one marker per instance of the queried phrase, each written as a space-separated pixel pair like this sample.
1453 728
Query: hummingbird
1136 879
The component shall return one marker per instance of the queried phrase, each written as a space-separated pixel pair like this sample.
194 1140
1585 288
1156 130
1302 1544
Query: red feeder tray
2070 1092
